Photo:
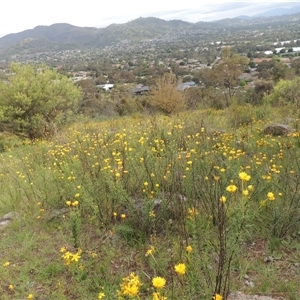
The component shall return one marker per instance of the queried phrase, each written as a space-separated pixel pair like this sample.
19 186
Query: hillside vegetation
188 206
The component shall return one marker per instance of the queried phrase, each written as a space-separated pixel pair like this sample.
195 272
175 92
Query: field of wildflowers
154 207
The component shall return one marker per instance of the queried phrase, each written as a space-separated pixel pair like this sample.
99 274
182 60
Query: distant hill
64 36
273 12
58 33
279 12
244 21
141 28
137 30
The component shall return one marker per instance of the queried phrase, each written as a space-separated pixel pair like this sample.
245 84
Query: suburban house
185 85
141 89
106 86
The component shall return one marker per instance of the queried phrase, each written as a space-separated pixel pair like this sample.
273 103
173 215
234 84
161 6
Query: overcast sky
19 15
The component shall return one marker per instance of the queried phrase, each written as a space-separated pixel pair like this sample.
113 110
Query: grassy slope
121 167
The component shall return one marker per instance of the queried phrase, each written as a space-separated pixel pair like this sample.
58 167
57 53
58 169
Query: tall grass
164 184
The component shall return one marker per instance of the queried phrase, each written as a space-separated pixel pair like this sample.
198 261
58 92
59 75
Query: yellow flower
6 264
189 249
75 203
146 183
263 203
131 290
101 295
63 250
231 188
77 195
193 212
245 192
155 296
152 214
30 296
271 196
123 216
180 269
223 199
130 286
244 176
75 257
150 251
158 282
250 187
68 203
218 297
11 287
94 254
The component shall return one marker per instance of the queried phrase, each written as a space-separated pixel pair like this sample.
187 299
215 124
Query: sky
19 15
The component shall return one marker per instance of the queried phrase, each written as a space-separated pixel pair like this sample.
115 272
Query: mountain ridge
272 13
64 35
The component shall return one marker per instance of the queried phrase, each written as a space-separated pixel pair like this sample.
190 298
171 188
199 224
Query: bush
166 97
36 101
285 92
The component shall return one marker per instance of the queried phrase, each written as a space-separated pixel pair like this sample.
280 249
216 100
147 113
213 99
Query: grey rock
277 129
7 219
242 296
56 213
269 259
249 283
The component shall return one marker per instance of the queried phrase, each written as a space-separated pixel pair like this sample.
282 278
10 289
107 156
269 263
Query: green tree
273 69
91 103
225 74
296 66
285 92
36 101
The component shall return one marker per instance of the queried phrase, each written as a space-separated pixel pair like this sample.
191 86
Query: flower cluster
70 257
130 286
72 203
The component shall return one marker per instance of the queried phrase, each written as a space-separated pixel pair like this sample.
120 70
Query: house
185 85
245 77
141 89
106 86
268 52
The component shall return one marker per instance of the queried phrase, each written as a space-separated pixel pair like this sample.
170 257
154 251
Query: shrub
36 101
166 97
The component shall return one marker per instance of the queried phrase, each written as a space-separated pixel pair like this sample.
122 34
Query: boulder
278 129
7 218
